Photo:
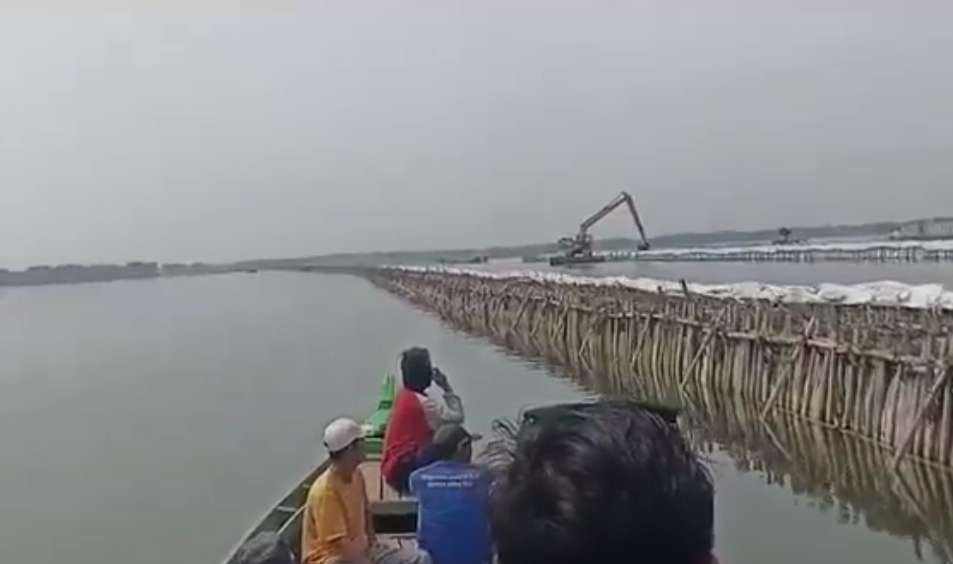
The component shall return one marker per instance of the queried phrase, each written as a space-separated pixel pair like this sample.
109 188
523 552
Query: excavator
578 248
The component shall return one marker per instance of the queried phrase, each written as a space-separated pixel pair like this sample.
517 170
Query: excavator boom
638 222
579 247
606 210
622 198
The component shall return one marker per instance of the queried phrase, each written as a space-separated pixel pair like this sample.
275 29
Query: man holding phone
415 417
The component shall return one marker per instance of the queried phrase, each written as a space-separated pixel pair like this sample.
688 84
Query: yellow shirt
335 510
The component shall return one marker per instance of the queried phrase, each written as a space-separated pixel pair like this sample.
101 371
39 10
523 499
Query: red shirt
407 431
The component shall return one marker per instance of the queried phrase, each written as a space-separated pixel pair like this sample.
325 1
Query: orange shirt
335 510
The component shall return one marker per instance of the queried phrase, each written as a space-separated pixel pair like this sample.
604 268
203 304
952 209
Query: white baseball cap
340 433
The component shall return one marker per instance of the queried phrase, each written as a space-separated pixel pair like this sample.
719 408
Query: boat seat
394 517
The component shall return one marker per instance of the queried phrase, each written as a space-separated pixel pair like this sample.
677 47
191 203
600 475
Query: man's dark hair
604 482
447 440
415 368
265 548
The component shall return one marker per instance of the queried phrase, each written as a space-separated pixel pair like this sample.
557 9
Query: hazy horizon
232 133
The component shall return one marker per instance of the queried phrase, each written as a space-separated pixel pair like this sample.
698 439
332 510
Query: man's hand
440 379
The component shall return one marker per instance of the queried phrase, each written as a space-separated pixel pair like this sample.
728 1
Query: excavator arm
622 198
644 246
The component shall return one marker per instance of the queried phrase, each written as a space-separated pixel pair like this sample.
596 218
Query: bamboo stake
585 340
521 311
795 358
946 428
934 390
703 347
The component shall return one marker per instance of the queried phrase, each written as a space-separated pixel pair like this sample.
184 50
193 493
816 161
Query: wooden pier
880 373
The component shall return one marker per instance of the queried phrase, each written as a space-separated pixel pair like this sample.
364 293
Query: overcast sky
224 132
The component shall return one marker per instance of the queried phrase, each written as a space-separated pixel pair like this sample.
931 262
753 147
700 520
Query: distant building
932 228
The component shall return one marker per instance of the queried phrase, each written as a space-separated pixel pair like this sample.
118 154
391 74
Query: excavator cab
580 245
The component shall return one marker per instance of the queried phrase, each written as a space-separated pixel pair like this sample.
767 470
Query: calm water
154 421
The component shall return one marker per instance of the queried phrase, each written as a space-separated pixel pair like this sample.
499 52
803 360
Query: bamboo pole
795 358
521 311
905 444
640 343
708 338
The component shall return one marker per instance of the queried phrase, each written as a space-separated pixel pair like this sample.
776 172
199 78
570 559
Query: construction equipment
578 248
784 238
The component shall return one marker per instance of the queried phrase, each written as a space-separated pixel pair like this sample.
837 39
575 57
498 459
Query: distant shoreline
877 230
71 274
82 274
77 273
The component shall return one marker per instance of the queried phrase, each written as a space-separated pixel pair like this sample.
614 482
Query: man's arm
449 411
438 413
368 517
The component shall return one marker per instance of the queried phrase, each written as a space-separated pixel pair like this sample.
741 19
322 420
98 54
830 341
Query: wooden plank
406 506
388 493
372 479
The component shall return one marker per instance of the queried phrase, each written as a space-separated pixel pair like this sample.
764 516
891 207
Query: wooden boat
395 517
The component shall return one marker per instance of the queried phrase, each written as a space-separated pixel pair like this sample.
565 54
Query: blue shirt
452 523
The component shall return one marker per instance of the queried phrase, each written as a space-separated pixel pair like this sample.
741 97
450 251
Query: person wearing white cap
337 527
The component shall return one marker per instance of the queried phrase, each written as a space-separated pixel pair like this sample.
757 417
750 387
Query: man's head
416 369
603 483
453 442
265 548
344 440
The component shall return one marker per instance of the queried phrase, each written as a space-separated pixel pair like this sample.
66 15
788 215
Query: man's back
453 524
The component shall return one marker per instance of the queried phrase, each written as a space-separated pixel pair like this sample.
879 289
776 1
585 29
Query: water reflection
836 472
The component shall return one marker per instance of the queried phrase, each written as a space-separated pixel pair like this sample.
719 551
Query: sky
231 130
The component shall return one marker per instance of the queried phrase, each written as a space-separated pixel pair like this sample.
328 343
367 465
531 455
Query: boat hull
394 516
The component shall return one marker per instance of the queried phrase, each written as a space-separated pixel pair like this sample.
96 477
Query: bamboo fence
836 471
881 373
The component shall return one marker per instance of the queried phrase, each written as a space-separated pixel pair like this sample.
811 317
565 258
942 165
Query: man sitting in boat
453 523
337 527
604 482
415 417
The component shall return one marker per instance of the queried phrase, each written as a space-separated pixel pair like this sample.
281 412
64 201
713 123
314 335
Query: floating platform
561 260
